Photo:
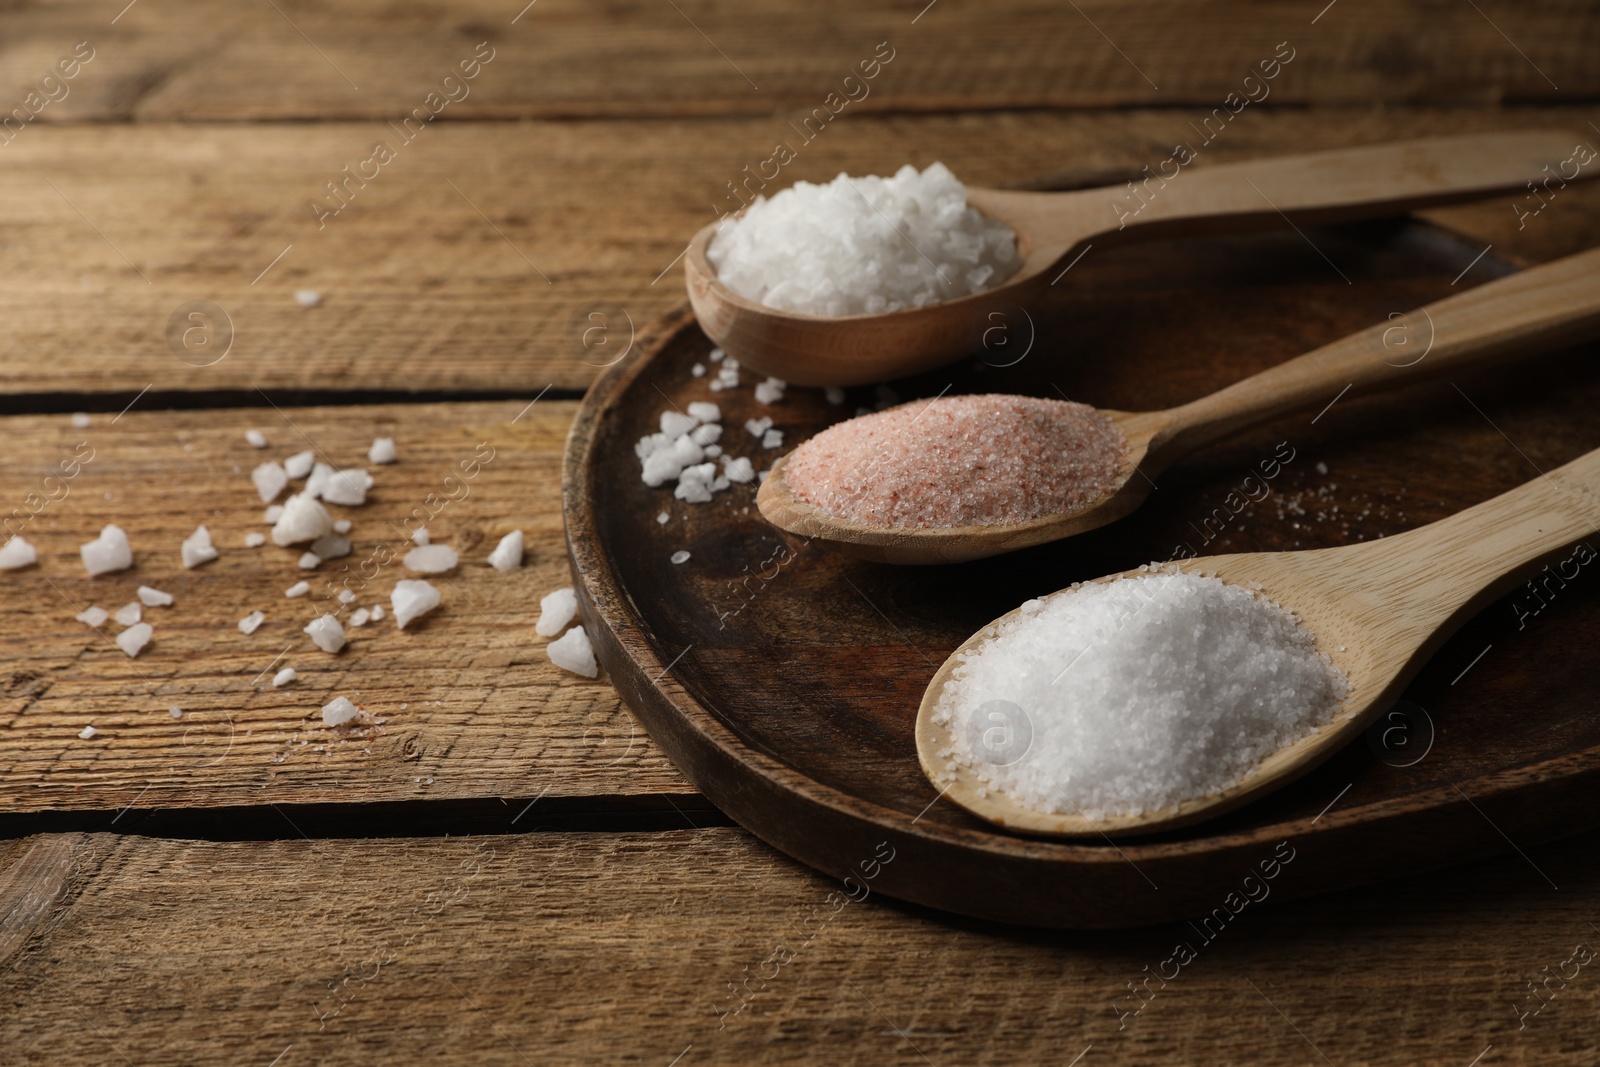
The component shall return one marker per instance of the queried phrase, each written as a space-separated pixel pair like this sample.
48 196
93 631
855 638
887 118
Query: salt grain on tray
339 711
412 598
134 638
197 548
251 622
555 611
959 461
154 598
863 245
572 652
17 554
108 552
326 633
1138 694
507 555
431 559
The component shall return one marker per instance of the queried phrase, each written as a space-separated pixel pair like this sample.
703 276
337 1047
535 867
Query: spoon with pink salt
965 477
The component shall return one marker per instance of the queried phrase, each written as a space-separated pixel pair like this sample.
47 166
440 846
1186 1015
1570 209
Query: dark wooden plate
783 677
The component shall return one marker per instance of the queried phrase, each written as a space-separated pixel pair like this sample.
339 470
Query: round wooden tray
783 677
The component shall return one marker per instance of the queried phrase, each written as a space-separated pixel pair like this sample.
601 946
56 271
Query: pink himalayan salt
959 461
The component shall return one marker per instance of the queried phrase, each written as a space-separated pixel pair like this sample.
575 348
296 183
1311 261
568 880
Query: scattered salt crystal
663 518
772 439
507 555
572 652
303 519
320 472
347 487
716 355
134 638
346 596
309 561
555 611
342 526
108 552
87 732
705 411
863 245
680 556
431 559
1135 694
254 539
256 438
326 633
412 598
738 470
284 677
757 427
694 483
834 394
251 622
93 616
360 617
331 546
175 711
154 598
959 461
382 451
272 514
307 298
81 420
707 435
676 423
339 711
298 589
421 536
377 612
270 479
17 553
698 370
1322 468
771 390
128 614
298 465
197 548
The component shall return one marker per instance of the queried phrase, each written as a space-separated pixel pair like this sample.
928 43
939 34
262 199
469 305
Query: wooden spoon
1378 609
1534 310
1305 190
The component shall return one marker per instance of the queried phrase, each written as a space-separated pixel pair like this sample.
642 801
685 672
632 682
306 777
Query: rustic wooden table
504 869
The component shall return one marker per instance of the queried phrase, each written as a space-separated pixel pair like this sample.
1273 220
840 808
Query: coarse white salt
680 556
663 518
298 589
382 451
555 611
772 439
307 298
134 638
377 612
717 355
339 711
298 465
320 472
251 622
153 598
572 652
93 615
256 438
87 732
834 395
421 536
507 555
771 390
342 526
707 435
326 633
347 487
284 677
698 370
412 598
197 548
738 470
1134 695
272 514
270 478
17 554
431 559
360 617
705 411
309 561
108 552
254 539
331 546
81 420
175 711
346 596
757 427
303 519
863 245
129 614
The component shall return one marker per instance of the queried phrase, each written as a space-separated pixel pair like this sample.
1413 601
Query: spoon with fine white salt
1377 610
1539 309
1343 185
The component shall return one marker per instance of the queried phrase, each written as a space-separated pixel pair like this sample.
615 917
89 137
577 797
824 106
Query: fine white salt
326 633
251 622
154 598
507 555
93 616
256 438
572 652
863 245
555 611
270 478
303 519
431 559
108 552
128 614
134 638
298 589
17 554
197 548
382 451
339 711
284 677
1121 697
412 598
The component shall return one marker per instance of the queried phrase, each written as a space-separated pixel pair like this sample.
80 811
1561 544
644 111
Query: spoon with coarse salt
1053 228
1115 455
1368 616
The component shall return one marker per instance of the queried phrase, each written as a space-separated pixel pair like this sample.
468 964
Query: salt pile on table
17 554
108 552
1138 694
863 245
959 461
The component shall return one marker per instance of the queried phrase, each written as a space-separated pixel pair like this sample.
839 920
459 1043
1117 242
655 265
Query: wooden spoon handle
1539 309
1346 184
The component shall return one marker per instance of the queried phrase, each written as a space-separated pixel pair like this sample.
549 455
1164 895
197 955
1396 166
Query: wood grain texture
468 703
630 948
424 294
186 60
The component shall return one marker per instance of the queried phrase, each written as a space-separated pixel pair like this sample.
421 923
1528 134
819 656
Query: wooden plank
185 60
465 703
423 293
635 948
